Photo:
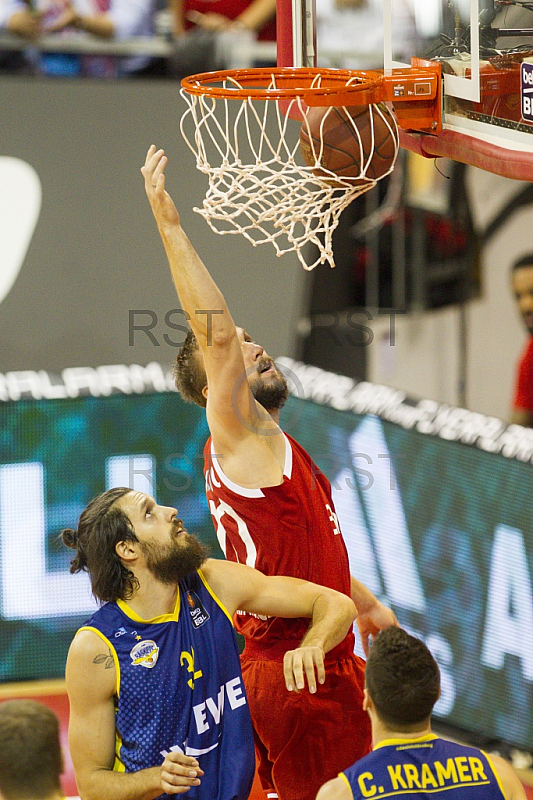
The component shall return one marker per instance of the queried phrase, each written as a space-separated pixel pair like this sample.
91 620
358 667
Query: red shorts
303 740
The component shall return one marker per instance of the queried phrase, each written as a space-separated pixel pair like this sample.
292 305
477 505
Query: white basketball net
259 184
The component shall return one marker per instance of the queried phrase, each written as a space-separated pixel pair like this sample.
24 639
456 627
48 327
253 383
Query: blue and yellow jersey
427 767
179 687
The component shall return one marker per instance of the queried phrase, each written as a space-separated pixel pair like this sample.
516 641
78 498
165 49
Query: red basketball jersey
290 529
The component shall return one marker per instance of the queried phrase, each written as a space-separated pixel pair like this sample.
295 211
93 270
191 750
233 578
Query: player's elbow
349 606
94 783
343 605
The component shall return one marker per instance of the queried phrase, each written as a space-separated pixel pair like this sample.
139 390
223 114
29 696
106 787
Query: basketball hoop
261 184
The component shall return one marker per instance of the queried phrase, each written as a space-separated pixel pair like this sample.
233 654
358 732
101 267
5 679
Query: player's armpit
232 412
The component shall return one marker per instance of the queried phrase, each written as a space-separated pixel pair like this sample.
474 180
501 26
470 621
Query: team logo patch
144 654
198 613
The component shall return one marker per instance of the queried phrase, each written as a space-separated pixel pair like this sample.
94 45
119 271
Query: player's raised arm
91 684
331 613
232 411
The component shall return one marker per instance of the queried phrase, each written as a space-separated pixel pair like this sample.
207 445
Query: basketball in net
248 129
354 142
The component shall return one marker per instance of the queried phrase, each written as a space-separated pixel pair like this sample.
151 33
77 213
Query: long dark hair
101 526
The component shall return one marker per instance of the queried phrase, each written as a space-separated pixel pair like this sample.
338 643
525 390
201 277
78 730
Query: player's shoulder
86 644
513 788
336 789
215 570
90 669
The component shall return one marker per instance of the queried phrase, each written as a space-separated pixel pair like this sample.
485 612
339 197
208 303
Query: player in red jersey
272 508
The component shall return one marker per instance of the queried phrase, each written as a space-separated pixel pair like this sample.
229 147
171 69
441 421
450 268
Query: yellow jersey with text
179 687
426 767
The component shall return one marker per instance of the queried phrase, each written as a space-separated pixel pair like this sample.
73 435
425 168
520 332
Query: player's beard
272 394
170 563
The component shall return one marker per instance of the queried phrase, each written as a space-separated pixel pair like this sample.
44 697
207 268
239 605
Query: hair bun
70 538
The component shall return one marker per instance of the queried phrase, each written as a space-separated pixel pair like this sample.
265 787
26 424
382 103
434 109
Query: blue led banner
440 530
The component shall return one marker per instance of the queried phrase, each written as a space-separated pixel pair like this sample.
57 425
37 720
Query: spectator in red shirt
522 283
219 15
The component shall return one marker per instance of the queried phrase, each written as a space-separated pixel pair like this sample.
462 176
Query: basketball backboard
485 49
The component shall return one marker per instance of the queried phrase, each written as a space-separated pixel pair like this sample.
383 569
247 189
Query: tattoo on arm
106 660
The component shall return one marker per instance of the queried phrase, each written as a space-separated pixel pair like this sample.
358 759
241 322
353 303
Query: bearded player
272 509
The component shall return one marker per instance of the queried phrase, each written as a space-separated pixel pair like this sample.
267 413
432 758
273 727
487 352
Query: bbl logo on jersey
144 654
198 613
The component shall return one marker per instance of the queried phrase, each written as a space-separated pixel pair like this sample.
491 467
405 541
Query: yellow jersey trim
429 737
412 792
118 766
343 777
172 617
213 595
112 649
493 768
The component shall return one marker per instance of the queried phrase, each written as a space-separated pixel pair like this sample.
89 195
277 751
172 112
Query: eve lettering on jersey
212 710
333 519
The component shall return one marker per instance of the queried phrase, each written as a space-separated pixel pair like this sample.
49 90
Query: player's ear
204 391
126 550
367 700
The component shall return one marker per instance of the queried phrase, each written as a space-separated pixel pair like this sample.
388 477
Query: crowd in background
192 26
192 33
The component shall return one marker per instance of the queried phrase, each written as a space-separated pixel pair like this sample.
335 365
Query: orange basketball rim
240 126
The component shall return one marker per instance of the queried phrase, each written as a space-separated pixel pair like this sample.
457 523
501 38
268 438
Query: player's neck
381 732
153 598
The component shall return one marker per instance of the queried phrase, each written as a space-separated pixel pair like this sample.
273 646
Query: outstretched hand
179 772
153 172
374 620
300 664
